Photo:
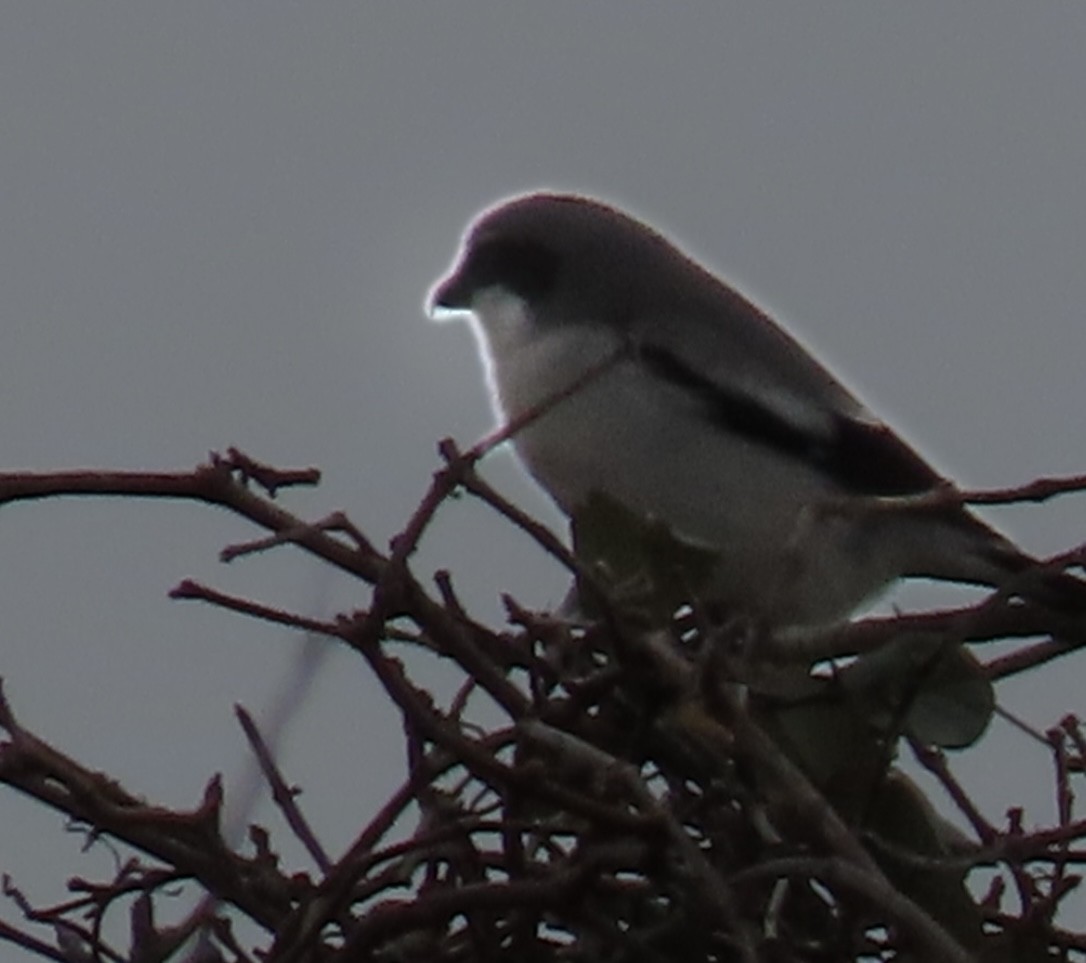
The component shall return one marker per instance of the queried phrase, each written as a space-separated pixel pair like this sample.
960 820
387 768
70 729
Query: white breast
527 364
647 443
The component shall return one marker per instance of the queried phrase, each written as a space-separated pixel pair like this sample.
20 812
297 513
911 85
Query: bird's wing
748 375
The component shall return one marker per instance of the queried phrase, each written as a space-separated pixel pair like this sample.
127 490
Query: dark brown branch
551 808
281 792
1038 490
191 842
925 932
17 937
192 590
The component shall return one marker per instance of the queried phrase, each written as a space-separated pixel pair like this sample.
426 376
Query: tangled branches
627 789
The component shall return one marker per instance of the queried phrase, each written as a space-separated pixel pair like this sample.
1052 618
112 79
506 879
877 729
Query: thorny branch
642 798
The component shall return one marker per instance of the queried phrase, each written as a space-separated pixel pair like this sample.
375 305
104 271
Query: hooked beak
453 293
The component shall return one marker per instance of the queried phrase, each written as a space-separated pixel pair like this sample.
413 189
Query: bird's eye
526 268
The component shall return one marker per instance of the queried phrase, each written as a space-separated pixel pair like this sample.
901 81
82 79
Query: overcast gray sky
220 221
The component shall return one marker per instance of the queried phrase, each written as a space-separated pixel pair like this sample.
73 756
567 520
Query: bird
632 371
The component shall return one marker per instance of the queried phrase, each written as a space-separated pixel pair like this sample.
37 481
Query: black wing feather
862 457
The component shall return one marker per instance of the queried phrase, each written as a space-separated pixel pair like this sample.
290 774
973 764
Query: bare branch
283 795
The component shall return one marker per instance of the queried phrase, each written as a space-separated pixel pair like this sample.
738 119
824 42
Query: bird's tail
1043 583
968 550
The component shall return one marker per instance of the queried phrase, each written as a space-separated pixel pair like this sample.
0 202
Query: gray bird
705 414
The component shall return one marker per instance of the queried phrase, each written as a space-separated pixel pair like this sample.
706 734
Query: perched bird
641 375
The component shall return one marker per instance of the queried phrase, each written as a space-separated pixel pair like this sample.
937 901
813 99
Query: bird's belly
782 553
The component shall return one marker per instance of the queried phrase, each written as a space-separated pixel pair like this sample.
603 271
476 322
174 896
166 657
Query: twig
283 795
46 951
515 425
268 477
336 522
710 886
538 532
935 762
190 842
192 590
929 935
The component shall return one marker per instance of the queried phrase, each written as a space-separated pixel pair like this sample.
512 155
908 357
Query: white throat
528 362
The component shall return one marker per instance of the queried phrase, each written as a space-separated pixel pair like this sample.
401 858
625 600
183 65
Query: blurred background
220 222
